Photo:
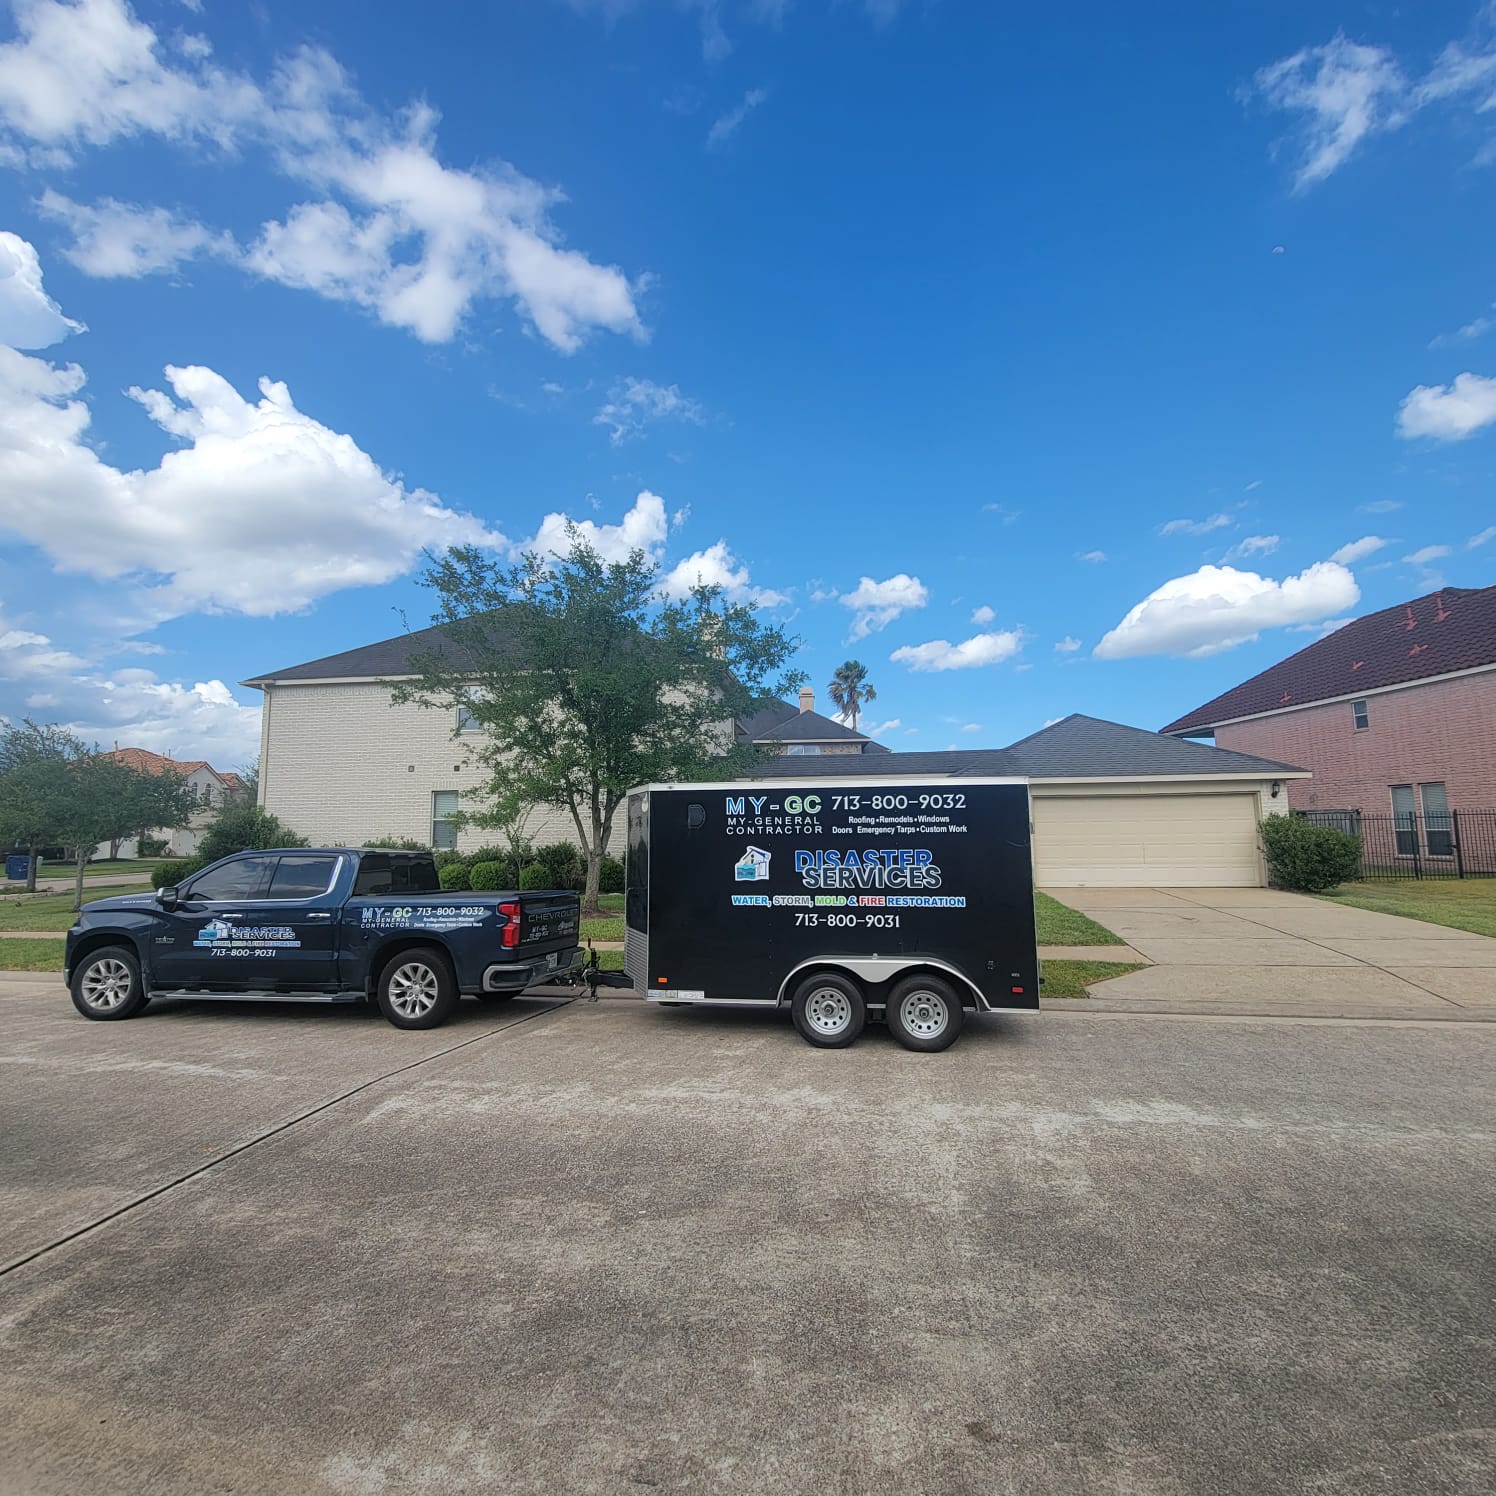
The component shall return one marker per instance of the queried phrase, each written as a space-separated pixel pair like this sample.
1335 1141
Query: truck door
193 946
291 930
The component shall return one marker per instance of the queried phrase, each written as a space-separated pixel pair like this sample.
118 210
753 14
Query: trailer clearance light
509 938
1018 992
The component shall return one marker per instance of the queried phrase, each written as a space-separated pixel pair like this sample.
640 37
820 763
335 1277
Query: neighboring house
1115 806
804 732
212 789
1394 713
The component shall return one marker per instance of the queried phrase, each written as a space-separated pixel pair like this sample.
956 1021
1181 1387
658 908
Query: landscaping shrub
454 877
170 874
397 844
244 827
151 846
1307 858
563 865
485 877
610 877
448 858
533 878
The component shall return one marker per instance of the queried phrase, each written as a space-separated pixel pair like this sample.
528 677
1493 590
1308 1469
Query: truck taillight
510 936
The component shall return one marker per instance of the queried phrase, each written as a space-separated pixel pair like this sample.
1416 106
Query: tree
588 681
35 762
851 691
242 826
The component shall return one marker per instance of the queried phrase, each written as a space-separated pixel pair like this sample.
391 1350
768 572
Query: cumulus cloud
388 227
29 318
1357 550
1253 545
115 240
1449 412
984 614
1195 526
969 654
727 125
1219 607
634 404
261 510
716 566
643 528
875 605
1344 91
1427 553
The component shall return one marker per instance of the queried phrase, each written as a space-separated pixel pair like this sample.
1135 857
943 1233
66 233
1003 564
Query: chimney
807 699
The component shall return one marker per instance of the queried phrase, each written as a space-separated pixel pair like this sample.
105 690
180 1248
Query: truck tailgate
549 920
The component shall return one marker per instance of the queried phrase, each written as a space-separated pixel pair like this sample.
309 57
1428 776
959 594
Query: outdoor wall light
1277 785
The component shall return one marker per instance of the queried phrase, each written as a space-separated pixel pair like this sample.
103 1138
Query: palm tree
850 691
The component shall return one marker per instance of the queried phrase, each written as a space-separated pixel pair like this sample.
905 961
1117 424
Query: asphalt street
577 1248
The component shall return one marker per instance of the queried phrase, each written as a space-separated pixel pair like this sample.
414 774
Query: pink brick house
1395 714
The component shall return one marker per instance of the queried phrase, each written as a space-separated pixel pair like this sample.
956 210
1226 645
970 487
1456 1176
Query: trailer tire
417 989
924 1013
829 1010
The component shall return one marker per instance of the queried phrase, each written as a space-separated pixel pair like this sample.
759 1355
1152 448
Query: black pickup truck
320 925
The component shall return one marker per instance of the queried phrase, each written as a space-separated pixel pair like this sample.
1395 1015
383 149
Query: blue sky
1046 361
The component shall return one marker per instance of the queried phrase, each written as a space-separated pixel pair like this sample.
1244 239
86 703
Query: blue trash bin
15 867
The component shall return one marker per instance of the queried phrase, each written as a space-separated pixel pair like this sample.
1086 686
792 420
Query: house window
1437 828
443 808
802 750
467 720
1404 820
1362 718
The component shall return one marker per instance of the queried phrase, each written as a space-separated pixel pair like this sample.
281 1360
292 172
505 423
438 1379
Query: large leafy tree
588 681
851 691
36 762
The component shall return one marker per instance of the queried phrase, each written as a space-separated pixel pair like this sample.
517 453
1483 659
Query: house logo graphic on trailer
752 866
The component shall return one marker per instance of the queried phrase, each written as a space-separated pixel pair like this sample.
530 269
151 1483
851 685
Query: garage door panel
1118 841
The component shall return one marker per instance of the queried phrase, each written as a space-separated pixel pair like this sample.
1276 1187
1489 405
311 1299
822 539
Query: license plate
552 960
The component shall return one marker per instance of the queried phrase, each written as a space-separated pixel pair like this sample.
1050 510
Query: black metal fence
1461 844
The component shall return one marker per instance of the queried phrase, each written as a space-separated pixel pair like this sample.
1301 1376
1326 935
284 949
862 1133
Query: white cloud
1219 607
1425 554
1356 550
1008 516
391 228
879 729
875 605
1381 506
984 614
25 655
643 528
1254 545
1345 91
1050 721
1449 412
29 318
718 567
634 404
972 727
1472 330
113 239
1489 533
941 654
1321 629
1093 556
262 511
728 124
1256 482
1195 526
1067 645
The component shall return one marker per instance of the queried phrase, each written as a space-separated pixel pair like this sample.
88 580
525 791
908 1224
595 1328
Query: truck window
301 877
416 875
380 874
374 876
234 880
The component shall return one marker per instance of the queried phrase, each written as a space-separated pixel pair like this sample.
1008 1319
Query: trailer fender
879 969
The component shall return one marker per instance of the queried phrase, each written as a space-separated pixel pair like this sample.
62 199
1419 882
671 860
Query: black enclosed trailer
908 899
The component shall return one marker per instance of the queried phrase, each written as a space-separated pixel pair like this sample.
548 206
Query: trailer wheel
829 1010
924 1013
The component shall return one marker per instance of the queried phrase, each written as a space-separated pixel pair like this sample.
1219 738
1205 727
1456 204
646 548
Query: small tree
1308 858
851 690
242 826
587 681
35 786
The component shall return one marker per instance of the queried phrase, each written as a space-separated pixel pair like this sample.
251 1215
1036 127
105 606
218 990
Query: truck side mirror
167 898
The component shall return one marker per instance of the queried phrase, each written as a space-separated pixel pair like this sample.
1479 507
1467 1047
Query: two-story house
211 788
1395 714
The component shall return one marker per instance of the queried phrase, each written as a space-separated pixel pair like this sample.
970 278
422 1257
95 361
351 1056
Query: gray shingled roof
383 661
768 716
810 727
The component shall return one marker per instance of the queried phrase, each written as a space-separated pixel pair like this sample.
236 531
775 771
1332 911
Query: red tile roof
1446 631
145 761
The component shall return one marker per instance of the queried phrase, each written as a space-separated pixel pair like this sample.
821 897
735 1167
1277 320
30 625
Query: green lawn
1460 903
610 928
612 901
31 955
1069 978
52 911
1060 925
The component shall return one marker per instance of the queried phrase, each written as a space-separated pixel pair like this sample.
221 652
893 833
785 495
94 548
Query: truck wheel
106 984
925 1013
829 1010
417 989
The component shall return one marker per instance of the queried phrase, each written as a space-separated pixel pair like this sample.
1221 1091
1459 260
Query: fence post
1418 830
1459 851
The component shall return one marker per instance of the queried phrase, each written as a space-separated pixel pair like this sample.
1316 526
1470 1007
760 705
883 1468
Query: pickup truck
328 924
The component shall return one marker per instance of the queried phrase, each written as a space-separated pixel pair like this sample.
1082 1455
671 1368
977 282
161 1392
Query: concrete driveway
613 1248
1256 950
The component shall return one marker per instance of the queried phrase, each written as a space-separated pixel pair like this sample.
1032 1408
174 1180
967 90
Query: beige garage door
1119 841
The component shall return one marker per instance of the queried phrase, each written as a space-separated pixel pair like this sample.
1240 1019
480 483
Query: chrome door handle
311 917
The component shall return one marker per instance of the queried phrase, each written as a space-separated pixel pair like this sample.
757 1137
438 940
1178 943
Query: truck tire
828 1010
106 984
417 989
925 1013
